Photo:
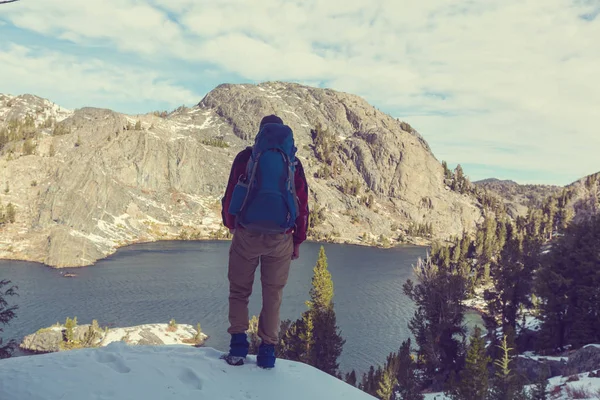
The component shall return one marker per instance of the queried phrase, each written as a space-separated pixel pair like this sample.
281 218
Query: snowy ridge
18 107
119 372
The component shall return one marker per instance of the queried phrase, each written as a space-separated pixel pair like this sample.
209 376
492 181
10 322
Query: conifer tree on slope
506 385
350 378
320 343
512 277
397 380
369 381
568 283
438 320
473 379
386 385
408 387
6 314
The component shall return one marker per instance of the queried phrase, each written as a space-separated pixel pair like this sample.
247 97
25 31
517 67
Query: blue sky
506 88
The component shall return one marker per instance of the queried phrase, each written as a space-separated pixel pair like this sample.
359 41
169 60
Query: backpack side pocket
240 191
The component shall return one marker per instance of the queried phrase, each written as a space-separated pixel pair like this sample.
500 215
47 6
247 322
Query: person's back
266 208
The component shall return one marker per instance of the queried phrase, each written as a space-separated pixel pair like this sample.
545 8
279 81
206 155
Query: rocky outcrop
99 180
44 341
584 196
49 340
584 360
533 368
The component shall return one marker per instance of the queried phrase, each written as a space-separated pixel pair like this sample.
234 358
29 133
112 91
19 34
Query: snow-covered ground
558 389
585 388
436 396
120 371
533 356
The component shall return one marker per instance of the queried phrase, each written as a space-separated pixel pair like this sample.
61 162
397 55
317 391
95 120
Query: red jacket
238 168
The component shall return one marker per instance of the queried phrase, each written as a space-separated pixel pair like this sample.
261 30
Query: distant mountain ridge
517 197
583 195
496 181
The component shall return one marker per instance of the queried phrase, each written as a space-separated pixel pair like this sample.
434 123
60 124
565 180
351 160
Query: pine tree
447 172
325 342
473 383
512 274
350 378
456 253
502 233
386 385
7 313
321 292
567 285
550 209
408 387
438 320
291 344
91 336
459 180
506 385
315 338
465 245
368 382
479 243
70 325
489 239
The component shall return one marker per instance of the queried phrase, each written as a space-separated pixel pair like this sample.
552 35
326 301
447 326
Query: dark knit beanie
270 119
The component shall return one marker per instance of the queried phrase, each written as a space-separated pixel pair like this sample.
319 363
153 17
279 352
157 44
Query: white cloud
516 73
89 82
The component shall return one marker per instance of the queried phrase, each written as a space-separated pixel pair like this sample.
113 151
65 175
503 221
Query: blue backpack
264 199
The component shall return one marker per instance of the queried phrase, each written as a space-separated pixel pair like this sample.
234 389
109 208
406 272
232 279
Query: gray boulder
43 341
79 332
584 360
533 368
149 339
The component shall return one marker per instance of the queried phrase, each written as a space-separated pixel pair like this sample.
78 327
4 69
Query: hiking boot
233 360
238 346
238 349
266 356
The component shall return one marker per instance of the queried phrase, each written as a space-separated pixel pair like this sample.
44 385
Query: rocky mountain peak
17 108
97 179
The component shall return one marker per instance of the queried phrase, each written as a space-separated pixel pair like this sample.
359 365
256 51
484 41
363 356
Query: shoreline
415 243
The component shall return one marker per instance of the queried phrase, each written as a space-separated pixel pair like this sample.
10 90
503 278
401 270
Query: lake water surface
187 281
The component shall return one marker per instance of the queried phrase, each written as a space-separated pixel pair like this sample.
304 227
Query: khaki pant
275 255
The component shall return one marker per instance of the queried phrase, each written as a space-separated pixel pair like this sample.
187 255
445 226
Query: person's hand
296 252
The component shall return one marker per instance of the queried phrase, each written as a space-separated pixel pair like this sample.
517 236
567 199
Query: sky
507 88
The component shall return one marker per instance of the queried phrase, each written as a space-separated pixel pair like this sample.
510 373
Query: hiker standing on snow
266 208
